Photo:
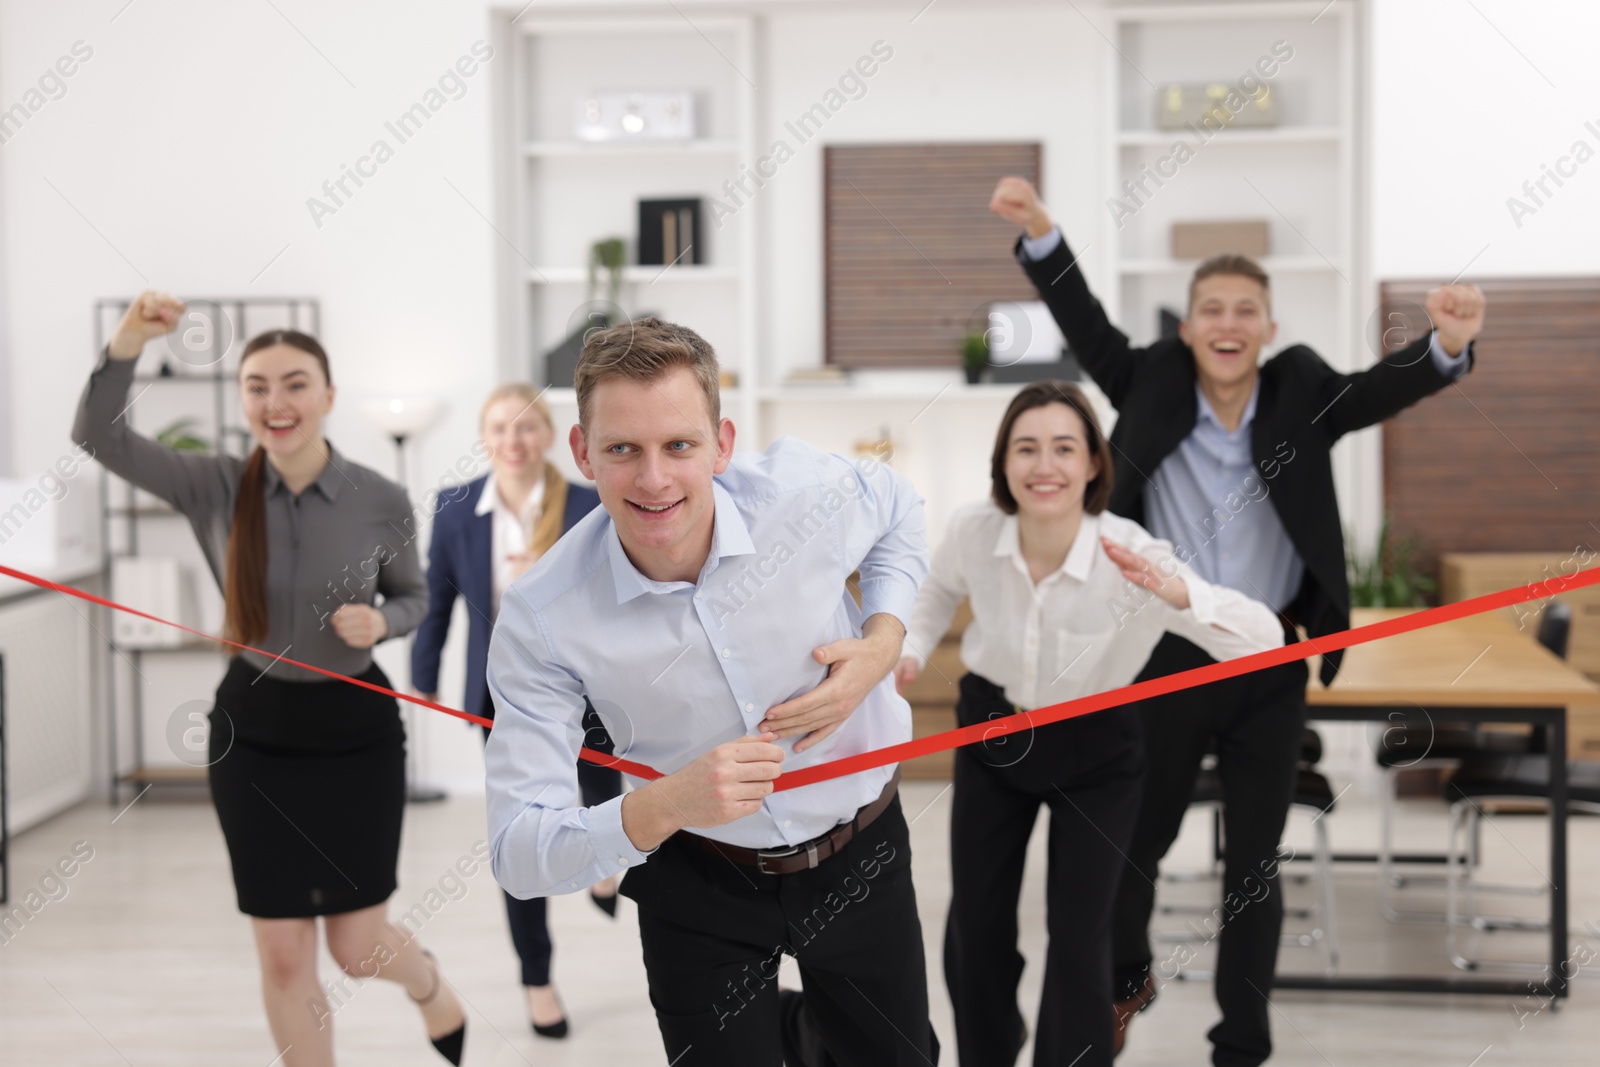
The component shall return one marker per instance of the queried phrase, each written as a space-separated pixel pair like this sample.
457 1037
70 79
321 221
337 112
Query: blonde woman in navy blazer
485 534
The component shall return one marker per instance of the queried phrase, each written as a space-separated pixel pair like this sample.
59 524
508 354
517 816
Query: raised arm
194 484
1101 349
1364 398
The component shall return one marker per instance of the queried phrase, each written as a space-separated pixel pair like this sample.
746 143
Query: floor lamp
401 418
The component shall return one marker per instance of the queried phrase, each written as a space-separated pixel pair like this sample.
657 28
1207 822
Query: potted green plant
609 253
1390 577
176 434
974 355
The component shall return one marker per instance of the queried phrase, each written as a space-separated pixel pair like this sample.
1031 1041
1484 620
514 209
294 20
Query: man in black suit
1205 438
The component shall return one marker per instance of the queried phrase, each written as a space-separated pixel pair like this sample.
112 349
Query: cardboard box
1197 240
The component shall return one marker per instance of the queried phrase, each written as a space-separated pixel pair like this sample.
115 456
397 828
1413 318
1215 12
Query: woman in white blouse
1067 600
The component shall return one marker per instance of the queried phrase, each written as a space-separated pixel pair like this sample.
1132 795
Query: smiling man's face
651 449
1229 323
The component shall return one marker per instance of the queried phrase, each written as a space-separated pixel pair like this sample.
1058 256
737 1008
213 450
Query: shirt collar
327 483
729 537
1208 413
489 500
1080 557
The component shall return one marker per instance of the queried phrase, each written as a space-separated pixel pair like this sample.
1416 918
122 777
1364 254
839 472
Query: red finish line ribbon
638 770
967 735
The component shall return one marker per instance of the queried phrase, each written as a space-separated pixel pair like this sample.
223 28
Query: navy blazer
459 565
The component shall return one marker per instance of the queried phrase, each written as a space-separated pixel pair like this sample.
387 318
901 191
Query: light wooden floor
144 960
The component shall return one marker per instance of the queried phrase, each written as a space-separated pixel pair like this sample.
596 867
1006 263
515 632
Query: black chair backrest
1555 627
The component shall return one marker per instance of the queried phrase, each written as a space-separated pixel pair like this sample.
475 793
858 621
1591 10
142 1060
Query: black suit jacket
1303 407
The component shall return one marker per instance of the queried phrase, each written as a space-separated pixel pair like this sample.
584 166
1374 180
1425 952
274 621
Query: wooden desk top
1480 661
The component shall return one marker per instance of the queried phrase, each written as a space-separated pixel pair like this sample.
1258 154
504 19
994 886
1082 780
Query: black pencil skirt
309 783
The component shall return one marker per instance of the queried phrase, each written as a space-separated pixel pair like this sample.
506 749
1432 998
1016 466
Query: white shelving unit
1300 175
565 194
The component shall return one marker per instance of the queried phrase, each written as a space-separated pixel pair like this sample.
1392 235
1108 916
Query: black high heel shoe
450 1045
605 904
557 1029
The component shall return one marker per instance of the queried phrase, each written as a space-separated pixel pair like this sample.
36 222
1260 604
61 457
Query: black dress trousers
1256 722
1088 772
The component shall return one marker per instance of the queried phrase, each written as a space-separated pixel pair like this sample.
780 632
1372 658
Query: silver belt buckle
762 855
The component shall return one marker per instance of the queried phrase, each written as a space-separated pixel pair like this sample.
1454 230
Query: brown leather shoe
1123 1011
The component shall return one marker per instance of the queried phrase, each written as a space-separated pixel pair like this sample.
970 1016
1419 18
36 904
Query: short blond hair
1237 265
643 351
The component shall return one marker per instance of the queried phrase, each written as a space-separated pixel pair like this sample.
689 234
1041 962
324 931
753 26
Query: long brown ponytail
245 585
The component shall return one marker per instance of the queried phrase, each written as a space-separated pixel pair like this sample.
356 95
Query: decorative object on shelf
727 379
641 116
1390 577
1197 240
823 375
669 232
612 254
176 435
1214 105
1167 322
880 448
159 586
1025 344
974 355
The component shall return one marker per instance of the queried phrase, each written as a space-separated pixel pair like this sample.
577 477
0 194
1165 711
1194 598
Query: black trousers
713 933
530 928
1256 723
1088 772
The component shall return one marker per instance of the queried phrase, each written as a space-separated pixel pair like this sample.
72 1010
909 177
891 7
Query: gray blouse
346 538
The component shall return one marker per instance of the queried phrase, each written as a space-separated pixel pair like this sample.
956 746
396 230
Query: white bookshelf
1299 175
564 194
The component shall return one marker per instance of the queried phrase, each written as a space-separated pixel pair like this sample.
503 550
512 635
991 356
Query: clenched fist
1457 313
723 785
149 316
1016 200
360 625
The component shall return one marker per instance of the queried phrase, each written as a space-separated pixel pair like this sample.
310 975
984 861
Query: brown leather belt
805 855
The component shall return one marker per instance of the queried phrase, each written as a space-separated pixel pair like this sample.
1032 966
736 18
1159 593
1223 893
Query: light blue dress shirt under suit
677 668
1208 494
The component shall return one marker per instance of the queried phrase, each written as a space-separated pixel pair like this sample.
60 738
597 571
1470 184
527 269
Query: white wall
181 157
1460 119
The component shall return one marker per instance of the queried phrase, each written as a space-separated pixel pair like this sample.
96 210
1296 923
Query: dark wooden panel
1508 459
912 253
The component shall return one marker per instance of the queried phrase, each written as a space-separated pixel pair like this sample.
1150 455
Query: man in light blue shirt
704 612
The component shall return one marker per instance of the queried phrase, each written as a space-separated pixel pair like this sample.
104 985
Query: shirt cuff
889 596
614 853
1036 248
1447 365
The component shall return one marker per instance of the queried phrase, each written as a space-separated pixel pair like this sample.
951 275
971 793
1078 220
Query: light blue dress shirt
1210 501
1208 496
677 668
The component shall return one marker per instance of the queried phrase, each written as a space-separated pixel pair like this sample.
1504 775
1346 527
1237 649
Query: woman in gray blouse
307 773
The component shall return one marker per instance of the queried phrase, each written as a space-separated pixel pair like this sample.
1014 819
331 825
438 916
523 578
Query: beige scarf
547 531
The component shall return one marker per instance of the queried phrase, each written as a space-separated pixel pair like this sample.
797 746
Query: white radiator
48 758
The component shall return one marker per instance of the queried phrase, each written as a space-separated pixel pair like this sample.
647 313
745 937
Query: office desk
1480 669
